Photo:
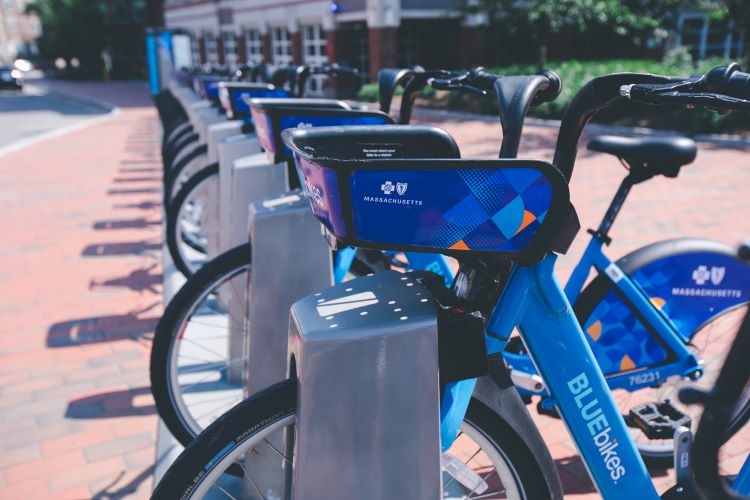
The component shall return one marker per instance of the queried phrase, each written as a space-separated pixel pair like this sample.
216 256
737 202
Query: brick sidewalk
80 296
81 288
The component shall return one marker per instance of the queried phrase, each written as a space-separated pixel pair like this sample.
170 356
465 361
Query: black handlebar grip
555 87
729 81
482 78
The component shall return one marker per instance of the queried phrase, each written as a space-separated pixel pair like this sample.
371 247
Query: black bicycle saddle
661 155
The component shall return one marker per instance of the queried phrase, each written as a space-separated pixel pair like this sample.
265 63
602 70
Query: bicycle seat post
602 233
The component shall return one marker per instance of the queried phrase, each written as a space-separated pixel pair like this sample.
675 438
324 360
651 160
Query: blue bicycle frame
684 364
682 361
534 302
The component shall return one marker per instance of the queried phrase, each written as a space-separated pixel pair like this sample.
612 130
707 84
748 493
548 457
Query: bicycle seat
660 155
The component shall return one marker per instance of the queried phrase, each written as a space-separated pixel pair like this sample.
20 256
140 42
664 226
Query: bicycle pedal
657 420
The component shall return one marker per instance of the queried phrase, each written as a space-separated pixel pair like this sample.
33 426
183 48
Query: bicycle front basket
368 193
234 97
272 116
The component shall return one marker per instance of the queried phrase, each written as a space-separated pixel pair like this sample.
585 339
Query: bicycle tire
174 235
173 174
213 451
170 326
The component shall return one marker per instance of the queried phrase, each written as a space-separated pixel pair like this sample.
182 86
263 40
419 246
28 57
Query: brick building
366 34
18 31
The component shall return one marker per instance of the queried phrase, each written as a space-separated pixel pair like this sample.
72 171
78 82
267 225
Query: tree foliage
635 21
74 29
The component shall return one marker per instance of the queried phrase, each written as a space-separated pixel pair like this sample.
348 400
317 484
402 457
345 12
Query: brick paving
80 296
81 288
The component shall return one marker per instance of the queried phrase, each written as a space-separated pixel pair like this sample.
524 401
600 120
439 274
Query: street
36 110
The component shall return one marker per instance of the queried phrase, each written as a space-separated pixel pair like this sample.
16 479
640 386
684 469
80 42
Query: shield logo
401 187
717 274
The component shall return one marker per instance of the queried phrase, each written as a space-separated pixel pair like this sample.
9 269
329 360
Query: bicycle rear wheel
487 457
191 220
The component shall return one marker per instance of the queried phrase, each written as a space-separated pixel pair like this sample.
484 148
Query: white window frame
229 39
314 44
253 46
281 46
212 55
195 49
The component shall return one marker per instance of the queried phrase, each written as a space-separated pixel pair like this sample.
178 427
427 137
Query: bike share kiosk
245 176
290 259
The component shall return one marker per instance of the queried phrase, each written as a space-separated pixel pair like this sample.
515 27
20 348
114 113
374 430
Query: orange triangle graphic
528 218
459 245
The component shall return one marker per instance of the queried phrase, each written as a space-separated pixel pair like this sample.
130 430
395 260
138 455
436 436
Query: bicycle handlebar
723 89
515 94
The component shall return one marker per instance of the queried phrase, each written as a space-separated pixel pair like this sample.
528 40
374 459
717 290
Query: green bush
575 74
368 93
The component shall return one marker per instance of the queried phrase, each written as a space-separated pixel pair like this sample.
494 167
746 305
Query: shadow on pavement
81 331
113 491
144 205
114 404
140 223
140 280
134 248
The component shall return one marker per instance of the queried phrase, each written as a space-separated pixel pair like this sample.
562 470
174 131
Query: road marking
23 143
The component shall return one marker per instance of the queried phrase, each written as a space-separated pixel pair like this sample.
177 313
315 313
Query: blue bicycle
510 217
658 318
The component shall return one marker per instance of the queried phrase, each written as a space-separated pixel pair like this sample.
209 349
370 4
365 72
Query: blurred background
104 39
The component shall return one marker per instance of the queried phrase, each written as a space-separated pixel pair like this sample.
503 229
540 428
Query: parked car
10 78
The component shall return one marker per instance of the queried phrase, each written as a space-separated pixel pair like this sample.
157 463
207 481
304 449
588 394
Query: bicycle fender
496 391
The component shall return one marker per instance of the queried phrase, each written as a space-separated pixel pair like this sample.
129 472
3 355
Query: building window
705 38
314 52
314 44
281 47
230 48
211 55
120 11
253 46
195 50
139 11
407 44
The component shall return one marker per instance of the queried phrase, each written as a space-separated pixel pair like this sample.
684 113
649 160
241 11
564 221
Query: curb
91 101
112 112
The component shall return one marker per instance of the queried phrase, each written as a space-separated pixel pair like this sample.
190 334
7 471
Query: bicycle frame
741 483
534 301
681 361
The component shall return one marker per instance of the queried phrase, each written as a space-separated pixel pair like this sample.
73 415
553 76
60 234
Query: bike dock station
411 357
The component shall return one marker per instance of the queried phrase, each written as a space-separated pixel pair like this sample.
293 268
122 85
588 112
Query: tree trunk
542 56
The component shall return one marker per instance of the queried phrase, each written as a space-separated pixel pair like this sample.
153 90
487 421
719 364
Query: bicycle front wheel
197 356
488 460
